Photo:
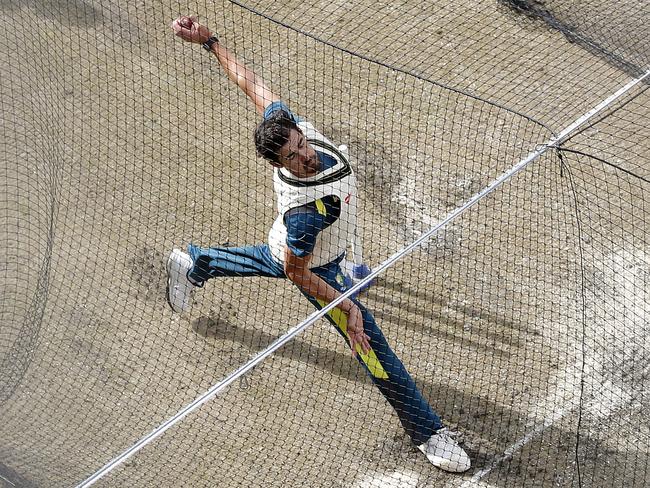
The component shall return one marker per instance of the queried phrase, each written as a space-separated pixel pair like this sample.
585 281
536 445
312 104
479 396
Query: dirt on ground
523 321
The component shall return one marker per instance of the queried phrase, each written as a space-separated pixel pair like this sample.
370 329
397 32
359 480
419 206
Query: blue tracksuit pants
382 365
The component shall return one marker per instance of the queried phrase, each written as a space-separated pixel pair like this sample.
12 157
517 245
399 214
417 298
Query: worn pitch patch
396 479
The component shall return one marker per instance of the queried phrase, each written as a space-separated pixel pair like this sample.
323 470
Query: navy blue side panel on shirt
305 222
326 161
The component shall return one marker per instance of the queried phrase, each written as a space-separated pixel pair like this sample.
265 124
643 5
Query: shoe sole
445 464
450 467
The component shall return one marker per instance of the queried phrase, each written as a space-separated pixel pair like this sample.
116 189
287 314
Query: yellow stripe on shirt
320 206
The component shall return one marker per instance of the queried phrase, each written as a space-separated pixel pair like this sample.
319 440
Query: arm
188 29
297 270
252 85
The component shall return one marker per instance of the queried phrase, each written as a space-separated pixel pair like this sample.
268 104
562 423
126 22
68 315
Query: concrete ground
526 331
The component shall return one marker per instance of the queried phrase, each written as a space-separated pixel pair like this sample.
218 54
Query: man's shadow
474 413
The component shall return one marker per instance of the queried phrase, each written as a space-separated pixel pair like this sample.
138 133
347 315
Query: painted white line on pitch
567 387
459 483
625 283
2 477
517 446
602 405
598 407
396 479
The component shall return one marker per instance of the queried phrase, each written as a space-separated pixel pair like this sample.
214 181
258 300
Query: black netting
522 321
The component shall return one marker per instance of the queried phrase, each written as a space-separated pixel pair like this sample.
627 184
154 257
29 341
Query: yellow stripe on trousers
371 361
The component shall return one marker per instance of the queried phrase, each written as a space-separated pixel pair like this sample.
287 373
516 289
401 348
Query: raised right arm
188 29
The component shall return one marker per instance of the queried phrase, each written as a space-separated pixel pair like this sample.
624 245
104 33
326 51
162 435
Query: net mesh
523 322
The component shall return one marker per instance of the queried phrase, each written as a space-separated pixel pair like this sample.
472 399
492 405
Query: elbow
291 272
296 268
295 273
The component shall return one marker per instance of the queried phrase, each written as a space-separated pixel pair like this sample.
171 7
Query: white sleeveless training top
292 192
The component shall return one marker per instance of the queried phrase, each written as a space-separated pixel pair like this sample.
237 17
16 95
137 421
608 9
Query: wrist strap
207 45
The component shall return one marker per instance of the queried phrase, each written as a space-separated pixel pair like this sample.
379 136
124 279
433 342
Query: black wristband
207 45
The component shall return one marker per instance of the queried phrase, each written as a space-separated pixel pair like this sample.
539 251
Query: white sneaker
179 287
444 452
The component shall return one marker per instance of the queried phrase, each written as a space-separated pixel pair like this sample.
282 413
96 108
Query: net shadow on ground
77 13
536 10
477 415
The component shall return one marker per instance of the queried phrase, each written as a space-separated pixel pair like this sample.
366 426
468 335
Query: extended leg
186 271
215 262
389 374
384 367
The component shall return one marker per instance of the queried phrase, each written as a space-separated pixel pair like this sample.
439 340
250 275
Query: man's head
279 140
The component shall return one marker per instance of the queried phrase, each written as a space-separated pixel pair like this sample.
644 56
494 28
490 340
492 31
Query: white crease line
567 388
396 479
514 448
568 406
595 406
7 480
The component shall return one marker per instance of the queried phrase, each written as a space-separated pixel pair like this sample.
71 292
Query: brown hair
273 133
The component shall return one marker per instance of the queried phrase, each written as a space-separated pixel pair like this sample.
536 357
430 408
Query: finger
179 30
361 342
364 342
354 342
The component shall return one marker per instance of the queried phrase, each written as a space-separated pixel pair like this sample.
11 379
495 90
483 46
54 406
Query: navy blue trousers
381 363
